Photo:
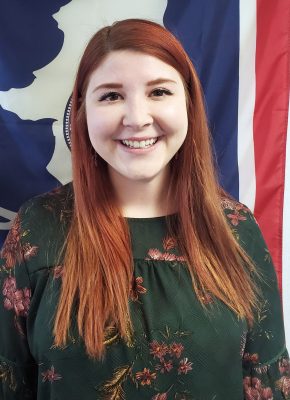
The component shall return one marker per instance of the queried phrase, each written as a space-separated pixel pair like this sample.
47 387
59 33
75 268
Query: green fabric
180 350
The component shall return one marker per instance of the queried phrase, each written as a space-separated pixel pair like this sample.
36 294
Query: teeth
139 144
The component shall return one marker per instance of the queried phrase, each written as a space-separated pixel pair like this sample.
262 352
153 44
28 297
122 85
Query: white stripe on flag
286 241
247 85
7 214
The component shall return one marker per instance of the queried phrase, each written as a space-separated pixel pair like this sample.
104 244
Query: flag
241 52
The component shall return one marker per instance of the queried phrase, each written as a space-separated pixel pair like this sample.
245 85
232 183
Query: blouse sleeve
18 370
266 367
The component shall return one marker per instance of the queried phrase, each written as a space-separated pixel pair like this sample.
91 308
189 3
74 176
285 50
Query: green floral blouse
180 350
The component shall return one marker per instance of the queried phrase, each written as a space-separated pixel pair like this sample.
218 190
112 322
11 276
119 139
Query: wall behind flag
241 52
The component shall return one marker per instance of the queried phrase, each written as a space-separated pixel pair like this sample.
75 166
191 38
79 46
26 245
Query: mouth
139 144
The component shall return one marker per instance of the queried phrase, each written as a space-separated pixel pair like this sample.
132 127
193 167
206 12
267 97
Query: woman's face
136 115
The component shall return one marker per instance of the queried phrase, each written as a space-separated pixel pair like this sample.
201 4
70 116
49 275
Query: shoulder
50 205
39 229
239 217
247 232
47 216
244 226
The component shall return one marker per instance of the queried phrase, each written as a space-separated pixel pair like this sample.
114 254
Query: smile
139 144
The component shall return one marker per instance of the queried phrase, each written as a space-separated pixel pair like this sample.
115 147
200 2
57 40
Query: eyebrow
115 85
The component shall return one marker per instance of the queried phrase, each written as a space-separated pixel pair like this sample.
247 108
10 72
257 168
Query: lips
139 143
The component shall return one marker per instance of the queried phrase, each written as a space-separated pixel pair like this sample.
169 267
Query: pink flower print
57 271
255 391
22 301
168 243
228 203
146 377
50 375
247 382
9 287
284 366
252 394
254 358
168 257
29 251
137 288
176 349
233 205
241 207
256 383
11 250
267 393
158 349
155 254
17 299
8 304
235 218
184 366
165 366
160 396
180 258
284 384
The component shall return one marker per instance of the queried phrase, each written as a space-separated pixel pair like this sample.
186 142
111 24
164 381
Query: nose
137 114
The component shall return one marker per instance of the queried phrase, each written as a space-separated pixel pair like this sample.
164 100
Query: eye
110 96
161 92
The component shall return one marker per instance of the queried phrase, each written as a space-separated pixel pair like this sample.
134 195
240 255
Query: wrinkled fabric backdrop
241 52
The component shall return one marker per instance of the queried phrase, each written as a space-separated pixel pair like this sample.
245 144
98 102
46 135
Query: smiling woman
141 279
137 125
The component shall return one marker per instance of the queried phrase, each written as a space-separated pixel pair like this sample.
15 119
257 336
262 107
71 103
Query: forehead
125 65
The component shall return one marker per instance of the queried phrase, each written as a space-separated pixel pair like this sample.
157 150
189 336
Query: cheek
99 124
174 119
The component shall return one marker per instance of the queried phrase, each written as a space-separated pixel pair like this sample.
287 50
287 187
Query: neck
143 198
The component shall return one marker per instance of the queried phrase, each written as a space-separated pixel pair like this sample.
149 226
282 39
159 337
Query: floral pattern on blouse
50 375
283 384
168 243
255 388
57 271
238 211
113 389
136 288
12 251
16 299
7 376
164 359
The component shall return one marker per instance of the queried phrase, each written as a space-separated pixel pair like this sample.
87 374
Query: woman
141 279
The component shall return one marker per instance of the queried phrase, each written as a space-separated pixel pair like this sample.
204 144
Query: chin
141 178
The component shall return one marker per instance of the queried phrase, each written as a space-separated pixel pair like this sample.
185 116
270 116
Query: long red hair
98 258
